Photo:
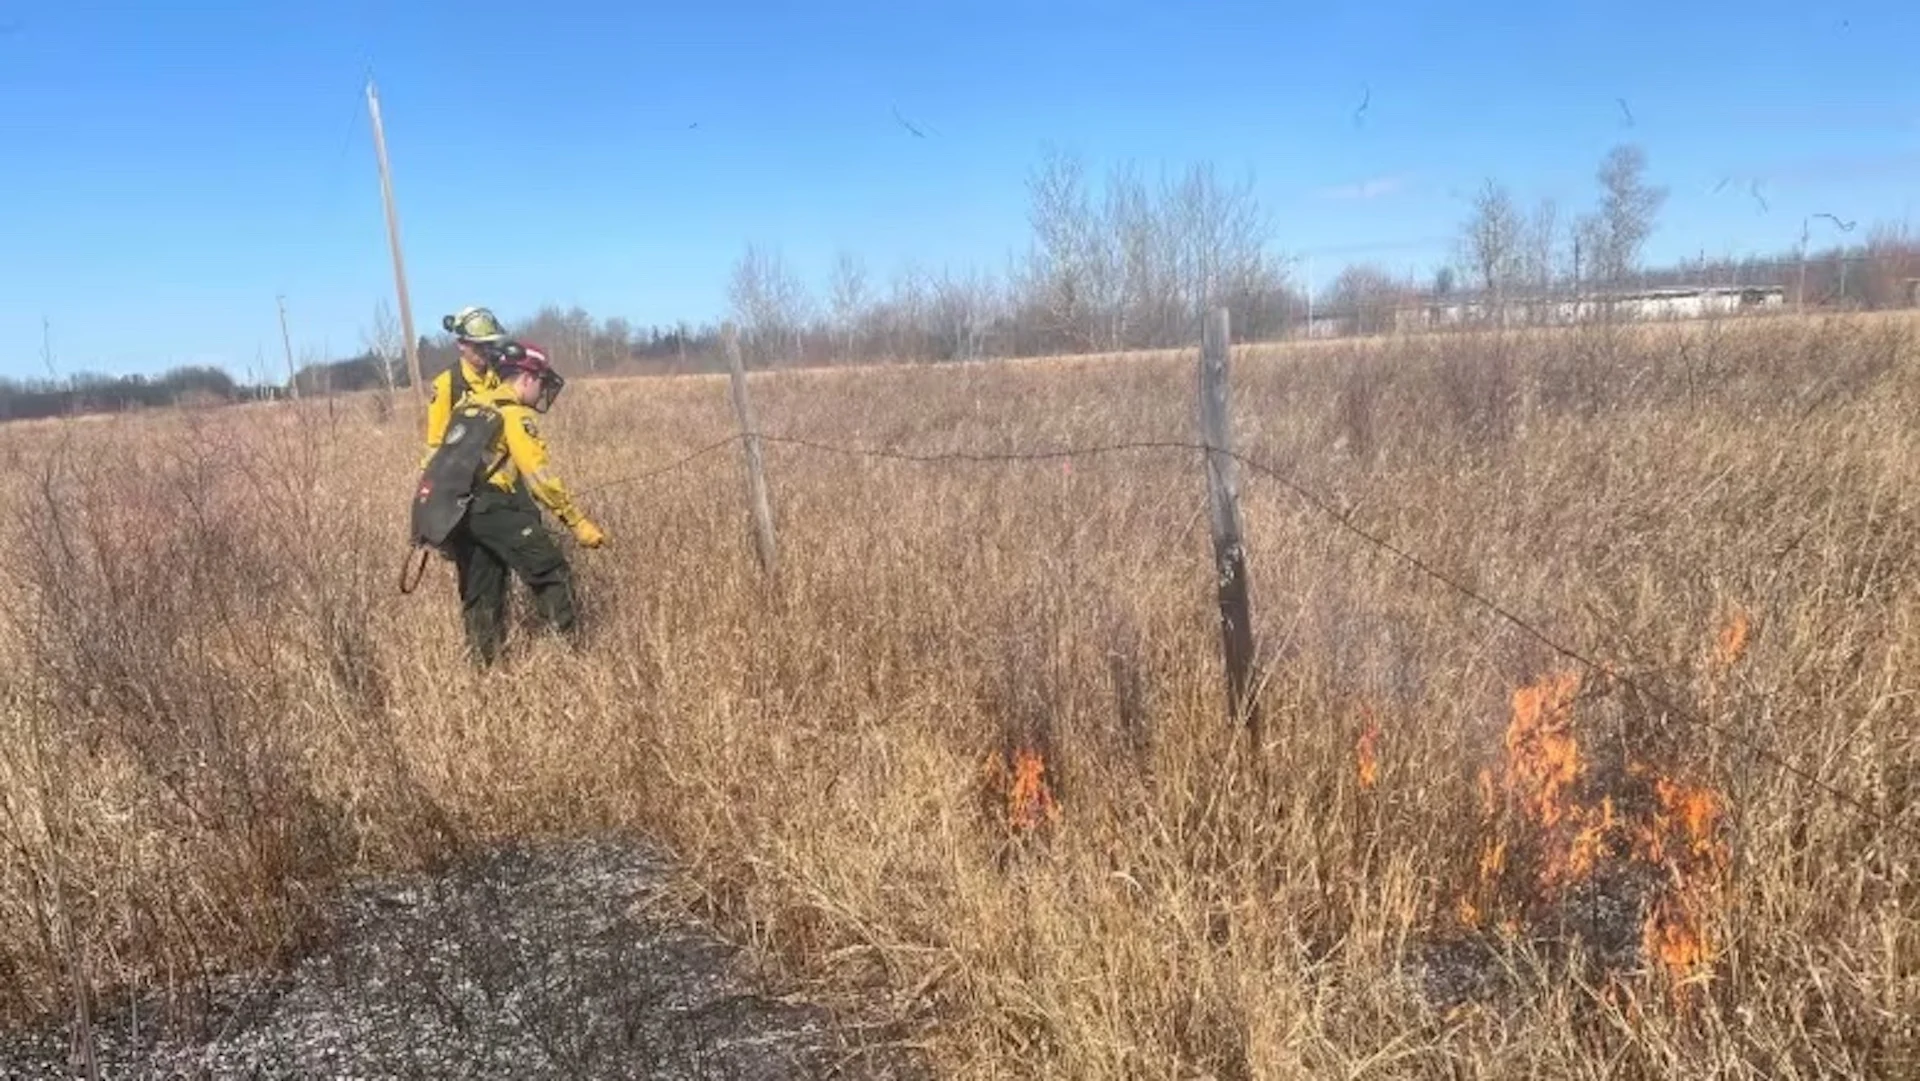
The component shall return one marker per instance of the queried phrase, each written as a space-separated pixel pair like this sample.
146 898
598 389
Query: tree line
1126 262
1115 262
87 392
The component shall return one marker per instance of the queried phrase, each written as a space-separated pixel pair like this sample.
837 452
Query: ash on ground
1595 929
533 961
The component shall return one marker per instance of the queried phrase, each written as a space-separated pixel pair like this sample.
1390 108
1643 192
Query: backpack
458 466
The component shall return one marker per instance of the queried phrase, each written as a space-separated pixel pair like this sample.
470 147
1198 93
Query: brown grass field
970 755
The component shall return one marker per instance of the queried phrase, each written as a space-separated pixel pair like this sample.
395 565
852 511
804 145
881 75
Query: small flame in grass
1030 802
1731 643
1684 838
1543 758
1366 752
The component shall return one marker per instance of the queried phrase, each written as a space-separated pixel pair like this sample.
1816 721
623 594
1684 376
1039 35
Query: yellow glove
588 534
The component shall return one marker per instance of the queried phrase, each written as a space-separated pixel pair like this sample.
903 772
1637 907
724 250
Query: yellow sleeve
529 454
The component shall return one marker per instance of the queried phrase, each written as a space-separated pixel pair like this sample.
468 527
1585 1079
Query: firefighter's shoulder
520 416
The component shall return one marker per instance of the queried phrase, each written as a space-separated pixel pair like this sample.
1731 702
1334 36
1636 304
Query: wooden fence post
761 506
1223 499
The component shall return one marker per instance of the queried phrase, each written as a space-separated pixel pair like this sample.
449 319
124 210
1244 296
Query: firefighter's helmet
520 358
474 326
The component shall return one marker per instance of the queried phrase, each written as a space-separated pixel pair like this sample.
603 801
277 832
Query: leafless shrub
1196 905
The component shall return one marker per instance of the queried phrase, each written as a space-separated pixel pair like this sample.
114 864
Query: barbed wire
1345 521
671 467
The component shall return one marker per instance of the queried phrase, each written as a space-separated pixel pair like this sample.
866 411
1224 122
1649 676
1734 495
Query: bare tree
897 324
1891 260
769 301
1223 237
1613 235
961 311
1367 295
613 343
1491 242
1539 255
1070 270
847 293
569 337
1136 265
578 336
384 343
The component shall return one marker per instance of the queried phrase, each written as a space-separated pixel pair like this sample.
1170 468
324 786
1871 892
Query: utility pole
1805 223
393 241
1803 265
293 378
1309 296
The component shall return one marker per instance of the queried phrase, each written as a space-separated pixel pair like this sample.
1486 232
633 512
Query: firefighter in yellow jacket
480 338
502 534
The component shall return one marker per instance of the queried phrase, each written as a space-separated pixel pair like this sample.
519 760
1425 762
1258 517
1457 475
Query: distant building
1330 326
1696 302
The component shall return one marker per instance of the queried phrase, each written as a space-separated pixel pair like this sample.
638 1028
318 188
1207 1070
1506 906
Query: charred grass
968 756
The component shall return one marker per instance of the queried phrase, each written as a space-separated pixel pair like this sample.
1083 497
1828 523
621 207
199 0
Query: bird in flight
917 133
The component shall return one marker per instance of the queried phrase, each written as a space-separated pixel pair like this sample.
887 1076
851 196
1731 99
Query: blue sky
175 167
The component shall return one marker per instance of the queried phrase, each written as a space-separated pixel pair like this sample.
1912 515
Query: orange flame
1556 833
1731 644
1367 753
1684 838
1029 800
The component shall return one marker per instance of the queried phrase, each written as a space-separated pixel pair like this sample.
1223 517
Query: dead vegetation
972 753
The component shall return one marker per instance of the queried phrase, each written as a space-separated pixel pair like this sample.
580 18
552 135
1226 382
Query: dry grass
217 704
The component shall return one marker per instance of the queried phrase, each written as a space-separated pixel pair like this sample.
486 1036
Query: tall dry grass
216 705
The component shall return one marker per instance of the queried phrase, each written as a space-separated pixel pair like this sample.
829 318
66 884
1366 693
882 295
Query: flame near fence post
1223 498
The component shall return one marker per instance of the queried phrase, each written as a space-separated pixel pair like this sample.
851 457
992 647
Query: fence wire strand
1345 521
671 467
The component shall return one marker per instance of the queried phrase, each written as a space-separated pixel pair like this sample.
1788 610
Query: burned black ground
526 961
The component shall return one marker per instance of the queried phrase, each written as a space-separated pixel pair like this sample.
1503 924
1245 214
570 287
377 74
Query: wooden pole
393 241
1801 304
286 340
1223 500
763 539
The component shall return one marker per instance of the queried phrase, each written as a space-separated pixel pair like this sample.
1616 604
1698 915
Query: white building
1697 302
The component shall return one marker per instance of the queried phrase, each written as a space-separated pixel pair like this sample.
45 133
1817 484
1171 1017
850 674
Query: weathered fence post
763 542
1223 499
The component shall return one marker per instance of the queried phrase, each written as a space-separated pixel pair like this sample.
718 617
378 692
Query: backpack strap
457 385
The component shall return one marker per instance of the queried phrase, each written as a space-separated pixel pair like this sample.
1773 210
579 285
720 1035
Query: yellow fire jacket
523 456
441 398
